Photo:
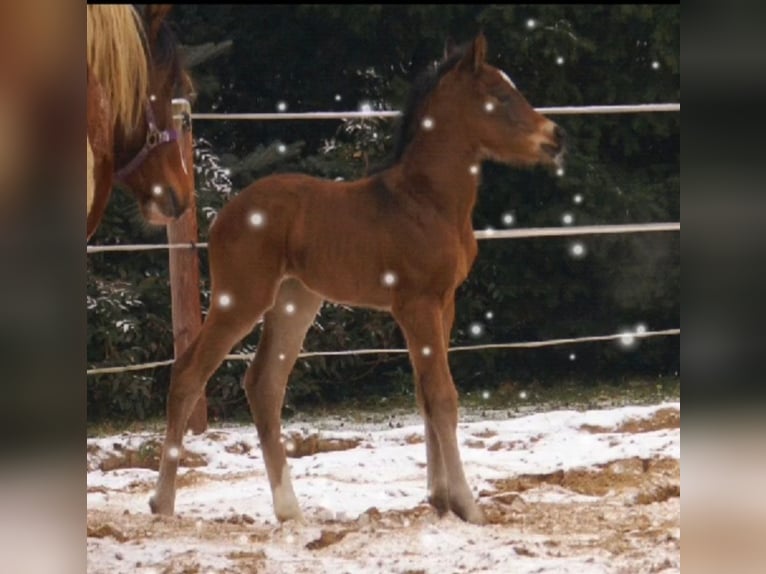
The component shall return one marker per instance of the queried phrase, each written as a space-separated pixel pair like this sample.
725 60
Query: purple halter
154 138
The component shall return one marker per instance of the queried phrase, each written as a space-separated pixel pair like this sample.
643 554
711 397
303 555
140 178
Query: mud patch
615 476
327 538
662 419
147 455
297 445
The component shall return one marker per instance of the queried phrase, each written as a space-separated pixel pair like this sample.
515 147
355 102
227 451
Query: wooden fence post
184 268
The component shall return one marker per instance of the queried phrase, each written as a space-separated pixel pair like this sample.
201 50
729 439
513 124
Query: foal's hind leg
284 329
422 321
224 326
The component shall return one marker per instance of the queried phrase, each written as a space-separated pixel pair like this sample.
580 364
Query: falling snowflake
577 199
627 340
257 219
290 308
577 250
508 219
489 107
224 300
476 329
281 106
567 219
560 61
426 351
489 315
389 278
474 169
427 123
572 356
531 23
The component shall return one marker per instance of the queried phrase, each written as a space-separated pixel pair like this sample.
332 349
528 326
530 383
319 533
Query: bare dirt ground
621 515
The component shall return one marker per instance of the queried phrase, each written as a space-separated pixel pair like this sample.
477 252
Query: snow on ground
565 491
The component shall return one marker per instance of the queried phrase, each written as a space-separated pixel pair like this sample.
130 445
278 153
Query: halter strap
154 138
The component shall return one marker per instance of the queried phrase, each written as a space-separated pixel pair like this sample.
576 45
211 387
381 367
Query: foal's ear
476 54
155 14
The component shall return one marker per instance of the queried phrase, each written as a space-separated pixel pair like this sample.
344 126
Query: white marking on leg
285 504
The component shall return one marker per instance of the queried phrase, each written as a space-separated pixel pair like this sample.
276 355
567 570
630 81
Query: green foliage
626 168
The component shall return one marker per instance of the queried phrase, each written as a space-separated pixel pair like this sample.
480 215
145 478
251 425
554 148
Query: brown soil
669 418
297 445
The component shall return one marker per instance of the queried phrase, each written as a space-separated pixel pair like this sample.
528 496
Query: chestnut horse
134 71
400 240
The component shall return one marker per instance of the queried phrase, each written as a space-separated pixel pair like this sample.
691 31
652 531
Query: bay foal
400 240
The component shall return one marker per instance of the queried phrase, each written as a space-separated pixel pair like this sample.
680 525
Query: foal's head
484 104
151 157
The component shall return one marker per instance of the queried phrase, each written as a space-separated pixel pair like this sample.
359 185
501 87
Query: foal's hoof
473 513
158 508
440 503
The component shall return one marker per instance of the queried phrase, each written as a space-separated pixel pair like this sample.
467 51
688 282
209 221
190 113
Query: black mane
165 55
423 85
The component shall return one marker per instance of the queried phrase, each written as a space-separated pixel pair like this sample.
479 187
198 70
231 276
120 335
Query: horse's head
152 158
494 112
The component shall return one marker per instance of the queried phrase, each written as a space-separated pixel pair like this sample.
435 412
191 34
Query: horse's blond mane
118 58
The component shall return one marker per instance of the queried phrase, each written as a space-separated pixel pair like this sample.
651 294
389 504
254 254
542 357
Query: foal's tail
118 57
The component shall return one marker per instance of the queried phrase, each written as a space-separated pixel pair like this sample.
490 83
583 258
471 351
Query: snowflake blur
489 315
257 219
489 107
281 148
427 123
388 278
560 61
577 250
224 301
426 351
572 356
627 340
577 199
157 189
290 308
476 329
531 23
474 169
281 106
567 219
508 219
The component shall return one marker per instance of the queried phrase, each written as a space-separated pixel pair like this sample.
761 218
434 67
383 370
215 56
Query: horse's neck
446 173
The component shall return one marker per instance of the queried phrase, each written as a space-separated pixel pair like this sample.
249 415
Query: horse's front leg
423 321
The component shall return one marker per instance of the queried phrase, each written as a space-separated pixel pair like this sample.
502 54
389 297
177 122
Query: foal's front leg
423 322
